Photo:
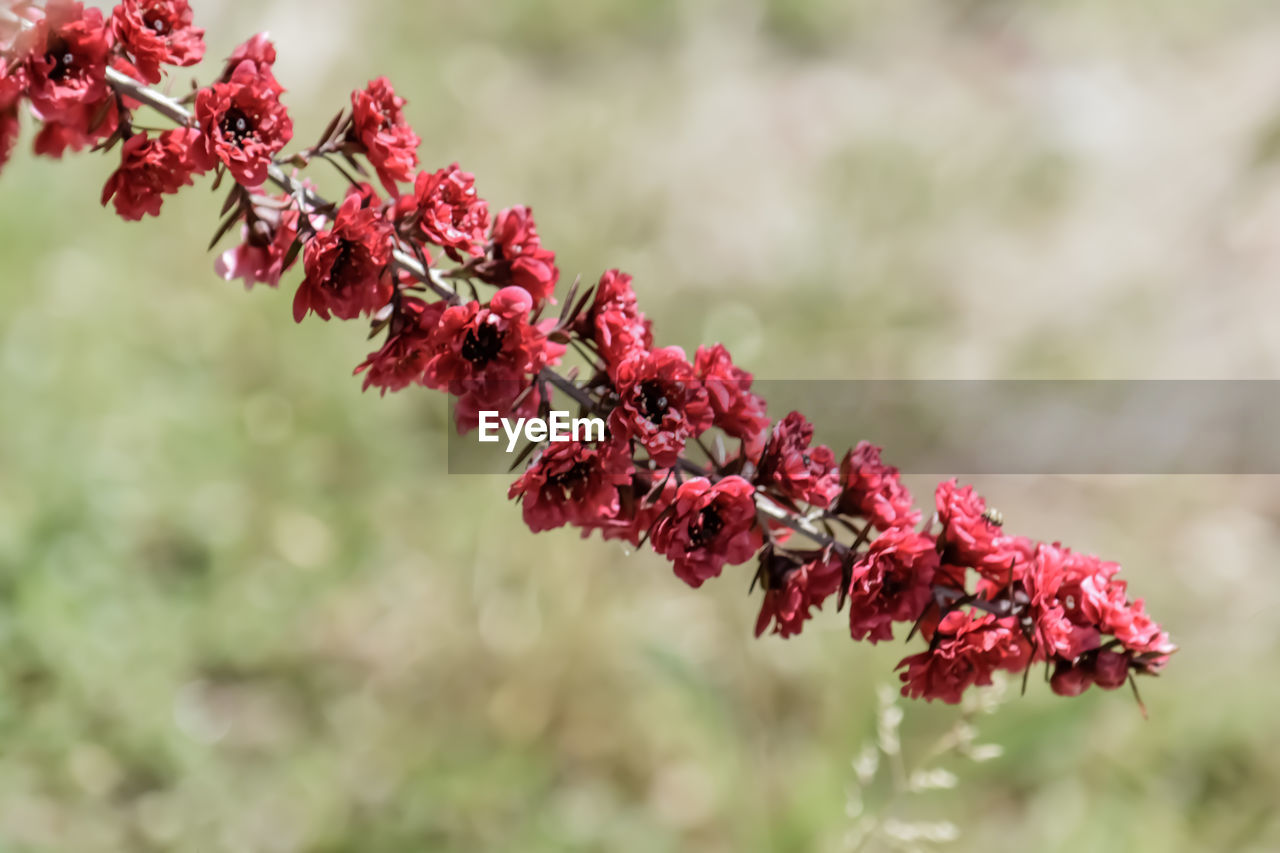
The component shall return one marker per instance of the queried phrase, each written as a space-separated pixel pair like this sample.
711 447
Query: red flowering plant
691 463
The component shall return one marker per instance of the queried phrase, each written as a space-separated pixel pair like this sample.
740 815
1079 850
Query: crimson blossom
378 126
573 483
796 470
62 60
243 123
966 649
485 356
518 257
269 238
150 168
661 403
872 489
12 84
708 525
445 210
795 583
614 323
403 359
346 265
155 33
982 600
737 411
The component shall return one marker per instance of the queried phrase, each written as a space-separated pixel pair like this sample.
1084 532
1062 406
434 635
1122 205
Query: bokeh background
244 608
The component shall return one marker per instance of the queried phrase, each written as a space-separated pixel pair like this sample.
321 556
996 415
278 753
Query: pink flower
346 266
708 526
614 322
485 356
403 359
640 505
78 127
445 210
661 403
892 582
572 483
970 537
65 62
518 256
243 123
967 649
156 33
11 87
261 54
873 490
795 583
740 413
379 127
267 250
150 168
798 471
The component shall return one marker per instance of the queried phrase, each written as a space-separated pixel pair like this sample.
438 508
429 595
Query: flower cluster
691 462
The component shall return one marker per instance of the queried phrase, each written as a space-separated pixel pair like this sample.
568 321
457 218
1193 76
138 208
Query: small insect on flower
994 516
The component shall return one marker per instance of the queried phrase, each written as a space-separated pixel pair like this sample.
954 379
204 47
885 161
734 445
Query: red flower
737 411
891 583
11 87
403 358
267 244
346 266
243 122
378 125
966 650
795 469
708 526
446 211
262 54
79 126
65 62
661 403
614 322
155 33
1055 579
518 256
572 483
485 355
971 537
873 490
795 583
640 505
1106 604
150 168
8 132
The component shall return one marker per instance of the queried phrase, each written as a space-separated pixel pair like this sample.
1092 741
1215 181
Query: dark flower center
342 260
236 125
653 400
705 528
156 22
482 344
62 59
576 473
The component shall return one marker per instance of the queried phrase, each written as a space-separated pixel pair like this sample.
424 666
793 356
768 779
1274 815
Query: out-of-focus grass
242 607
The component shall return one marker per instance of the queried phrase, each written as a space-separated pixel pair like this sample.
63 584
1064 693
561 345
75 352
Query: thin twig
436 280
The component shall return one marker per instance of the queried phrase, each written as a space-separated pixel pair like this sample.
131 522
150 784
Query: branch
434 279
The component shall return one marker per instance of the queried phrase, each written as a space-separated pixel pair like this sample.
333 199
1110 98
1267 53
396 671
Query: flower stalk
982 600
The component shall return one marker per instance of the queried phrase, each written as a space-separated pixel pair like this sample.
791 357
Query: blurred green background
243 607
